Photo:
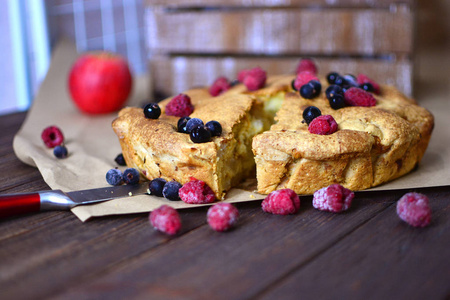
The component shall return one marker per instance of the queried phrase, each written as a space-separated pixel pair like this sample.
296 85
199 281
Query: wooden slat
172 75
293 31
273 3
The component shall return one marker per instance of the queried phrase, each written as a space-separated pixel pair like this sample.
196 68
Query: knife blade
13 204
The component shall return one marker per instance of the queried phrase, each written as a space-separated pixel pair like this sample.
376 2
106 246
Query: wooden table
367 252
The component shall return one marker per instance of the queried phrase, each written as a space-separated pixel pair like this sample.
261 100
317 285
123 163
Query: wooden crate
192 42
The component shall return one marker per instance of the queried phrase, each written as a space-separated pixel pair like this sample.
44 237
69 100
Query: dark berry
52 136
200 134
333 90
234 82
60 151
131 176
337 101
351 80
340 80
214 127
331 77
307 91
170 190
346 87
317 86
120 160
114 177
194 122
152 111
156 186
368 87
310 113
293 85
181 125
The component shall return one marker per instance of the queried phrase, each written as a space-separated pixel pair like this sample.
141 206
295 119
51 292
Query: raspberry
303 78
52 136
334 198
307 65
323 125
222 216
180 106
253 79
219 86
165 219
358 97
281 202
413 208
196 192
361 79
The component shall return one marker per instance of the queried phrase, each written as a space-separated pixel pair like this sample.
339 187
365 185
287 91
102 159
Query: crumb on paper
252 196
130 194
148 191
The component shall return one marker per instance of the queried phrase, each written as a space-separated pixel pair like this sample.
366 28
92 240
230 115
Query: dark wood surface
367 252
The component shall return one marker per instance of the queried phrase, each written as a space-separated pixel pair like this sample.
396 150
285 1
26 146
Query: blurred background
184 43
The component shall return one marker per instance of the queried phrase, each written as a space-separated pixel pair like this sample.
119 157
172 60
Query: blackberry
311 89
170 190
120 160
181 125
114 177
200 134
152 111
214 127
131 176
337 101
368 87
333 90
156 186
331 77
310 113
193 123
60 151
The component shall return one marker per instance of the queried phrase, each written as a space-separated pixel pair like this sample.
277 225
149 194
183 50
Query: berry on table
357 97
152 111
114 177
219 86
60 151
200 134
52 136
222 216
193 123
120 160
131 176
156 186
310 113
281 202
165 219
170 190
334 198
214 127
182 124
414 209
180 106
323 125
306 65
196 192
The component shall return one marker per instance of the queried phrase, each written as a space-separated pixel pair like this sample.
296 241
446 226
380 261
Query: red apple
100 83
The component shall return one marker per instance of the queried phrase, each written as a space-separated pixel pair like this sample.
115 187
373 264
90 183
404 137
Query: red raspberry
219 86
413 208
196 192
222 216
307 65
361 79
165 219
323 125
303 78
52 136
334 198
281 202
253 79
180 106
358 97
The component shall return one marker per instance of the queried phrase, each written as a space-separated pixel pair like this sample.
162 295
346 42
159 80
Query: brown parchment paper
92 145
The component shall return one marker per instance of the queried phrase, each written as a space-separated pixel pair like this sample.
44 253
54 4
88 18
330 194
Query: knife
14 204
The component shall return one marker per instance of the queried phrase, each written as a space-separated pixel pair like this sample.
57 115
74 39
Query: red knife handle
19 204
